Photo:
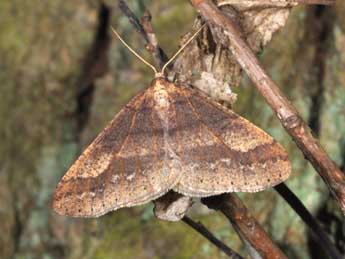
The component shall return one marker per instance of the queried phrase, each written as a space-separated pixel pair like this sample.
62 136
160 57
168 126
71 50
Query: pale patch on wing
126 153
238 141
86 166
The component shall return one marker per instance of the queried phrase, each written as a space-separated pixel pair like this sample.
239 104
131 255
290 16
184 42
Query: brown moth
169 137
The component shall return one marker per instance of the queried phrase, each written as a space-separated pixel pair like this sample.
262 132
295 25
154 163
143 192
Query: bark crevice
95 65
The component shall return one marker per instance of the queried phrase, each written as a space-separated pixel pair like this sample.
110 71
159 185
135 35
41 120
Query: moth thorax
161 102
161 98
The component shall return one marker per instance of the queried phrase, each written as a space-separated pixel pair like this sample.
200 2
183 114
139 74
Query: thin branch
145 29
245 224
278 3
152 45
133 19
285 111
197 226
318 233
316 2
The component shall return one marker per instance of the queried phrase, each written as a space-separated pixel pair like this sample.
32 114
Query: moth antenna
133 51
182 48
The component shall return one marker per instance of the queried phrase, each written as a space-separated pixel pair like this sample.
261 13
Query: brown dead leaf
209 66
172 206
216 89
258 20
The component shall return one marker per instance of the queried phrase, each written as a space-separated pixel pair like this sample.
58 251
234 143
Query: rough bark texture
45 122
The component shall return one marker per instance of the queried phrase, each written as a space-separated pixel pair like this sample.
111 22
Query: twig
285 111
197 226
247 226
318 233
316 2
152 46
145 29
133 19
277 3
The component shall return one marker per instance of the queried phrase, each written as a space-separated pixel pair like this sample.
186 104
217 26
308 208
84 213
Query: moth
169 137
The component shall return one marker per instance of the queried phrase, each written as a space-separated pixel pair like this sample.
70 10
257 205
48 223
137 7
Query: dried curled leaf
210 67
258 20
172 206
216 89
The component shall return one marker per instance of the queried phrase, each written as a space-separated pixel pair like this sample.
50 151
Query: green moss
128 237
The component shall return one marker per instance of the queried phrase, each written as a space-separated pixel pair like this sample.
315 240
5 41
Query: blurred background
54 99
